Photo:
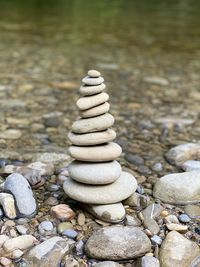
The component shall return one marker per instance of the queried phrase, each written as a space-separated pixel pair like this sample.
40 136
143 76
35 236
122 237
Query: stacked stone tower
96 178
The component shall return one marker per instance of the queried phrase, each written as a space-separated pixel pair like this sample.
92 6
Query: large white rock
95 111
112 213
178 188
121 189
91 90
176 250
89 139
94 124
94 173
101 153
87 102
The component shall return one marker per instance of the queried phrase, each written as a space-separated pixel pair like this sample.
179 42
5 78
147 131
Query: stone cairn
95 177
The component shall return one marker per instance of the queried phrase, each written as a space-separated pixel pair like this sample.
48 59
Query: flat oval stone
94 173
121 189
92 138
94 73
94 124
88 102
91 90
112 213
92 81
100 153
95 111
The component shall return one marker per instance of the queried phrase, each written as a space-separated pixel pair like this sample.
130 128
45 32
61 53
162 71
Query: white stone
88 102
156 80
95 124
95 138
94 173
112 213
91 90
92 81
121 189
3 239
191 165
177 227
176 250
20 242
95 111
178 188
101 153
181 153
94 73
8 204
11 134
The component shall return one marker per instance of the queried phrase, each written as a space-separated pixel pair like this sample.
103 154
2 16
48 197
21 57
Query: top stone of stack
93 84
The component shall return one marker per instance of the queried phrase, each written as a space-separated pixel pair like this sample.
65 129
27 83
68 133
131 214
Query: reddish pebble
62 212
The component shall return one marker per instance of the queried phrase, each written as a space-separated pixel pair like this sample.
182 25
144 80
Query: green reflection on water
171 25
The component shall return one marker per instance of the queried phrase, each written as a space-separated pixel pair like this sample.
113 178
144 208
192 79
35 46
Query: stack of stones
95 177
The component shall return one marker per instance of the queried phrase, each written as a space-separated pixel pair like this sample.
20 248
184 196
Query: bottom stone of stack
112 213
121 189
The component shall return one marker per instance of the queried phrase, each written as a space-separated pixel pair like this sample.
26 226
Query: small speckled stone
184 218
81 219
94 73
88 102
45 228
21 229
92 81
